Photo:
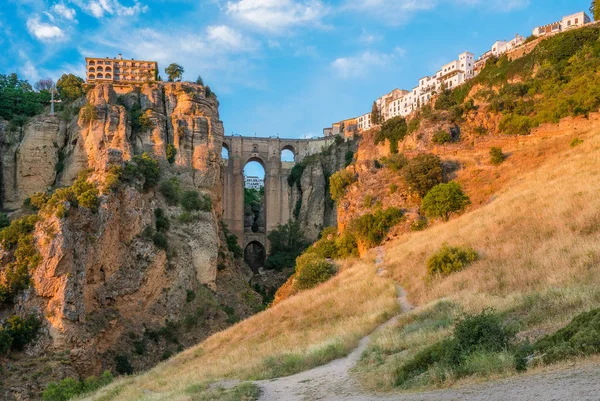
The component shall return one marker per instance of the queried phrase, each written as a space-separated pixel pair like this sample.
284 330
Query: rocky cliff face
311 200
103 288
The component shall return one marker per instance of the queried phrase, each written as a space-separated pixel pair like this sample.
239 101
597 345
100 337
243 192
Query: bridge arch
255 254
279 198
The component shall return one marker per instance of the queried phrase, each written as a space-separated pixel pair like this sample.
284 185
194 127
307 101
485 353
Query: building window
576 20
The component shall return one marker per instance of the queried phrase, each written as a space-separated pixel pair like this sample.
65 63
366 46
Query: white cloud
362 64
43 31
101 8
277 16
229 38
64 11
367 38
393 12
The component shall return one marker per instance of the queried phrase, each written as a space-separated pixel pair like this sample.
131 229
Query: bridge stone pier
278 201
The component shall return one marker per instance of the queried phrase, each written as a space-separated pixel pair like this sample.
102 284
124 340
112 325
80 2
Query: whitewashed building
567 22
364 122
253 182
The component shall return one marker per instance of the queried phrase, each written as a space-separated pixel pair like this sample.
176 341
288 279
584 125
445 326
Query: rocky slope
103 290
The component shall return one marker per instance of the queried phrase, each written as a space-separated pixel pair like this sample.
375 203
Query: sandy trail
334 381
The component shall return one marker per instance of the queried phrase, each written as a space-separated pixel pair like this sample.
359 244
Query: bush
162 221
423 173
170 189
232 242
10 236
122 365
312 270
160 241
441 137
171 153
89 199
512 124
581 337
191 201
481 334
349 157
339 182
17 332
496 156
371 229
443 200
142 168
88 113
395 162
296 175
576 142
394 130
450 259
346 245
393 188
287 243
64 390
39 200
113 178
419 224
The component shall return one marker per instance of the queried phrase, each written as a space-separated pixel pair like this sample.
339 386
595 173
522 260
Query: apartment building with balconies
567 22
119 71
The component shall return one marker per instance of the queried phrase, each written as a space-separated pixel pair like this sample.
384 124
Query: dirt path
334 382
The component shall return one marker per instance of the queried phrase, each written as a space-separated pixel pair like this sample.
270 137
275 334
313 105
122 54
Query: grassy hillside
538 241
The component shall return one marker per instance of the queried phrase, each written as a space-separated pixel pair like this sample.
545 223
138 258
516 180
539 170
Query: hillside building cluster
118 71
400 102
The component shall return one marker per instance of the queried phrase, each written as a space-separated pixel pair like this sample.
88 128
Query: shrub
191 201
88 113
414 125
450 259
162 221
393 188
4 220
394 130
171 153
395 162
419 224
64 390
423 173
170 189
39 200
349 157
576 142
441 137
188 217
312 270
346 245
481 334
371 229
481 130
142 168
122 365
232 242
443 200
496 156
512 124
160 240
22 331
581 337
287 243
10 236
339 182
89 199
113 178
296 175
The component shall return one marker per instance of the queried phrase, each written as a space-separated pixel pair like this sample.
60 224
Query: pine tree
375 116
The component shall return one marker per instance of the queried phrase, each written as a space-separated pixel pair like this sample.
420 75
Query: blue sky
287 67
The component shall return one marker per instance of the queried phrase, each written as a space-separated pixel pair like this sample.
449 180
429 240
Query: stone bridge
277 203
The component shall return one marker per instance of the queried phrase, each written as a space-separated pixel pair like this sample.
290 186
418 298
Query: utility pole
52 101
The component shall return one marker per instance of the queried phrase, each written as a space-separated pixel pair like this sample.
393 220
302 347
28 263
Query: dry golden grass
339 312
542 230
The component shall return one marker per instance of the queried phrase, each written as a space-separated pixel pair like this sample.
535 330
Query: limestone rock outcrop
105 286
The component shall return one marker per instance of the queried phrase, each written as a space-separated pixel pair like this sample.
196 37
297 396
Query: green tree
339 182
70 87
375 116
595 11
174 72
443 200
287 243
199 80
423 172
18 100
